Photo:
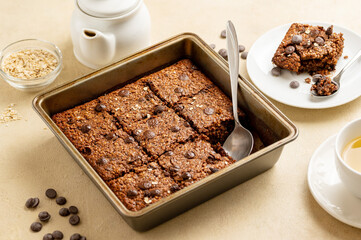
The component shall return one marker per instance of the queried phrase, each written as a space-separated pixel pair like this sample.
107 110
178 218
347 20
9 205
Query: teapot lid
107 8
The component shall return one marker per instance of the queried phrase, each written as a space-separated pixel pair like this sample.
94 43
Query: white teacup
350 177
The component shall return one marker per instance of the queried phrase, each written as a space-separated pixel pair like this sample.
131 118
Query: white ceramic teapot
104 31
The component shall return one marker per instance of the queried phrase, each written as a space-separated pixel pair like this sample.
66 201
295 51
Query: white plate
259 65
327 188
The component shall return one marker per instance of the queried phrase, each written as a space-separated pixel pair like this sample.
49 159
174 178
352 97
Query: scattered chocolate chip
178 107
86 150
85 128
75 236
159 109
149 134
276 71
223 34
142 99
213 170
36 202
145 185
48 236
178 90
289 49
137 132
169 153
212 45
314 33
175 129
320 41
186 124
241 48
36 226
60 200
316 77
110 136
296 39
186 176
189 154
57 235
132 193
209 111
29 203
102 161
129 139
223 52
244 55
44 216
64 212
155 192
183 77
99 107
74 220
294 84
152 122
175 187
124 93
51 193
329 30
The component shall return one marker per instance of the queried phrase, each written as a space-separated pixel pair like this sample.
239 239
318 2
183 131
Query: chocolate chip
209 111
320 41
57 235
314 33
64 212
48 236
244 55
241 48
329 30
102 161
44 216
29 203
124 93
129 139
316 77
296 39
85 128
183 77
152 122
51 193
175 129
36 226
178 107
159 109
145 185
308 44
73 209
99 107
223 52
294 84
290 49
175 187
276 71
223 34
169 153
110 136
75 236
155 192
189 154
36 202
137 132
178 90
212 45
186 176
213 170
86 150
186 124
132 193
142 99
149 134
74 220
60 200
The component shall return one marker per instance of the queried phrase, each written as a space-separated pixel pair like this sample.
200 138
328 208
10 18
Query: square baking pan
273 127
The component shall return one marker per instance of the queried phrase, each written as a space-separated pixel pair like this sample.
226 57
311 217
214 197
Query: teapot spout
97 48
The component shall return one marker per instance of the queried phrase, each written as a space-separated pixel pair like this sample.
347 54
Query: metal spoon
240 142
337 78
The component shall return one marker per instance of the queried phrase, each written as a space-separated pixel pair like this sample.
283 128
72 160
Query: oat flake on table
9 114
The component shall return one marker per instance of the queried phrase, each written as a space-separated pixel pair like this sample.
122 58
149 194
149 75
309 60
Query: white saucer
327 188
259 67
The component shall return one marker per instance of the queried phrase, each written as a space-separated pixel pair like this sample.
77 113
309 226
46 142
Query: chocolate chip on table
314 33
186 176
276 71
223 34
175 129
48 236
155 192
209 111
145 185
175 187
152 122
60 200
289 49
36 226
159 109
74 220
110 136
64 212
320 41
149 134
50 193
223 52
124 93
132 193
44 216
129 139
244 55
32 202
189 154
178 90
212 45
316 77
329 30
241 48
73 209
75 236
183 77
102 161
57 235
99 107
85 128
296 39
294 84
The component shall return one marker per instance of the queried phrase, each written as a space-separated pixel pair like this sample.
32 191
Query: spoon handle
233 62
348 64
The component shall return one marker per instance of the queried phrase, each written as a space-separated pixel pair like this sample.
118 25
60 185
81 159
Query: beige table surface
274 205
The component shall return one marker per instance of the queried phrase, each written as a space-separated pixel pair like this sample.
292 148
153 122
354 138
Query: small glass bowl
34 84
